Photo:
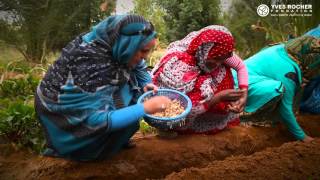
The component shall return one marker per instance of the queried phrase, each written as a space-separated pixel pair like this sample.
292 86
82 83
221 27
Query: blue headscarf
124 34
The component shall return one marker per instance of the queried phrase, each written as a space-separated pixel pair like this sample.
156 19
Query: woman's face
212 63
142 53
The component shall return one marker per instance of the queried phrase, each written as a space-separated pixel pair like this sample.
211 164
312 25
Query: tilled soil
238 152
294 160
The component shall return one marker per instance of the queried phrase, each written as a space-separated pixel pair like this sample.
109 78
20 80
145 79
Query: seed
172 110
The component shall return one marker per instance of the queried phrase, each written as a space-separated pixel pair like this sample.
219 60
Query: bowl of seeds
174 114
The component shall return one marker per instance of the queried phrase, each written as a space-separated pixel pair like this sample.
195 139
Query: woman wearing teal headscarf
275 76
86 102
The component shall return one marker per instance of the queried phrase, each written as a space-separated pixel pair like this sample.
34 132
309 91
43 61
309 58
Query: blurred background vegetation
33 32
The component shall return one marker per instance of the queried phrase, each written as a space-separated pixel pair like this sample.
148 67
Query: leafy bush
21 88
19 66
18 123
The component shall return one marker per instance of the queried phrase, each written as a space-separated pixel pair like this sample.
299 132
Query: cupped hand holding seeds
239 105
226 95
156 104
173 109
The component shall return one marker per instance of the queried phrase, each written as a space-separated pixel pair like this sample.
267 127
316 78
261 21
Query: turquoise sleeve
287 114
117 119
122 118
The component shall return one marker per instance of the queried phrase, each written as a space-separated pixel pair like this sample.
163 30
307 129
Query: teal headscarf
124 34
315 32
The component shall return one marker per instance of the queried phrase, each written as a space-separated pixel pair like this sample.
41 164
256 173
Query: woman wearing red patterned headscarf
200 66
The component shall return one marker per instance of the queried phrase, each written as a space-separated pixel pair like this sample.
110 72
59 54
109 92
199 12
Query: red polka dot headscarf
220 42
208 43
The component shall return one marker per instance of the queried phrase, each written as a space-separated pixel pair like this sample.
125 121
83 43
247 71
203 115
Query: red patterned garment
183 68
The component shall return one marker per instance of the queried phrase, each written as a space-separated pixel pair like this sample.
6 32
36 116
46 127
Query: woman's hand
150 87
239 105
226 95
156 104
307 139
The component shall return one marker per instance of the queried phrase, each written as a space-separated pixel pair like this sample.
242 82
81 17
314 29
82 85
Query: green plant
18 66
145 128
22 88
18 123
154 13
252 32
184 16
48 26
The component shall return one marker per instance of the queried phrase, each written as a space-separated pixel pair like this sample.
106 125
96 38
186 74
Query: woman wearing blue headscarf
87 100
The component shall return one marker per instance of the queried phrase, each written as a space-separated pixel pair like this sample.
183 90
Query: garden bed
244 151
